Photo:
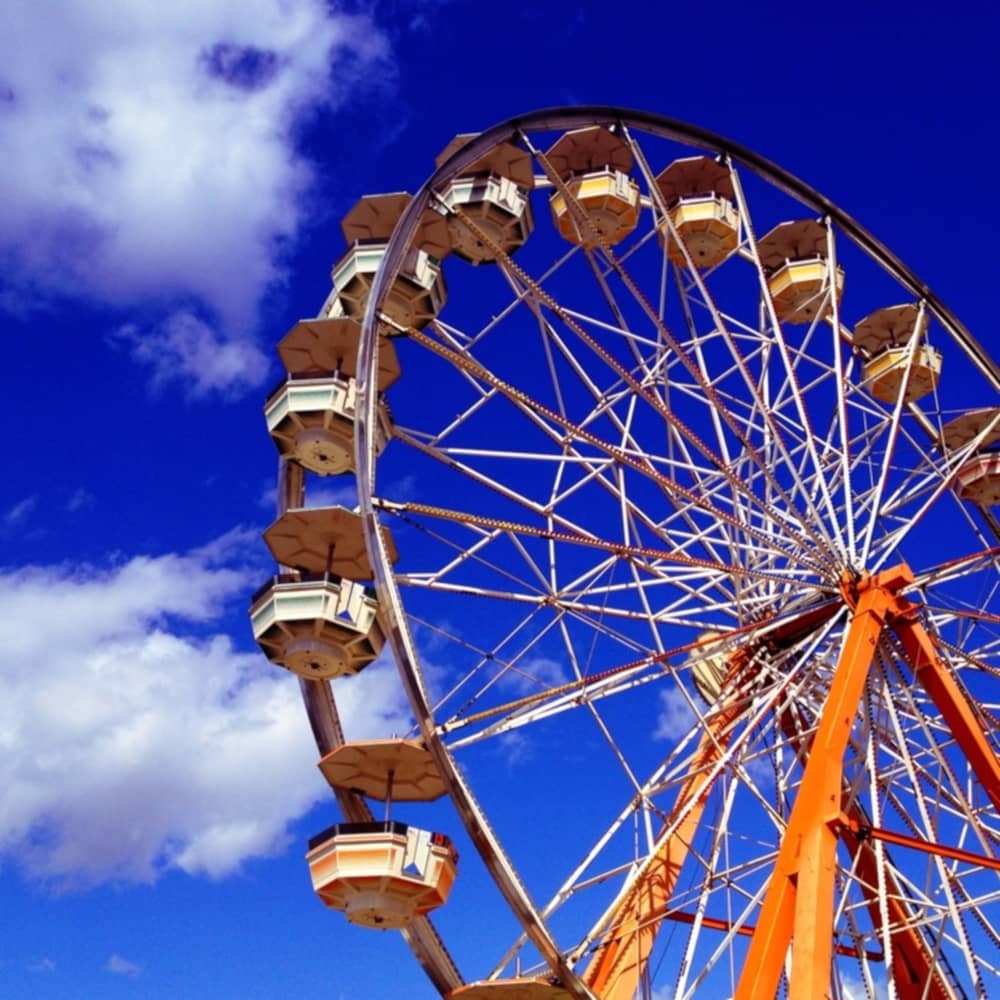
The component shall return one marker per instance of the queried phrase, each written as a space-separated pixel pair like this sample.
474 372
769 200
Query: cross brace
798 905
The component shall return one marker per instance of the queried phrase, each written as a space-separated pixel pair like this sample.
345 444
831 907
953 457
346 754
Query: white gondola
593 166
492 193
311 416
312 420
382 875
894 365
978 478
418 292
318 627
318 620
698 194
795 258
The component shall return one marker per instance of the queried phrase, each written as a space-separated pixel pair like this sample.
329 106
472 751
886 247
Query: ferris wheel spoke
934 482
574 535
716 417
892 540
742 924
616 312
500 663
572 595
708 763
771 432
533 708
653 316
683 432
961 656
891 440
593 687
939 745
919 811
890 912
698 369
446 458
758 467
484 657
643 467
571 531
710 864
743 428
604 401
987 558
774 328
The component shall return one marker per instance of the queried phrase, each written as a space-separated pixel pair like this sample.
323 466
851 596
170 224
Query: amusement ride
675 514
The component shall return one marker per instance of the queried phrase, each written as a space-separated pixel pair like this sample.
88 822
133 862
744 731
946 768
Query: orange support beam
927 846
949 697
618 964
912 966
798 905
913 972
746 930
807 856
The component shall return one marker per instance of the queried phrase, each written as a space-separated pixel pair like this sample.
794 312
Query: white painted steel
741 472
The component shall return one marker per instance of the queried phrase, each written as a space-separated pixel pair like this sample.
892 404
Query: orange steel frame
797 910
912 964
618 965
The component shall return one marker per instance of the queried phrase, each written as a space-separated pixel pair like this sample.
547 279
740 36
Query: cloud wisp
16 515
122 966
151 162
136 738
675 717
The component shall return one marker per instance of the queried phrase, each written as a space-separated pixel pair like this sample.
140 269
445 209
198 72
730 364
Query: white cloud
533 674
150 156
80 499
43 965
122 966
516 748
340 492
19 512
186 349
134 737
853 988
676 716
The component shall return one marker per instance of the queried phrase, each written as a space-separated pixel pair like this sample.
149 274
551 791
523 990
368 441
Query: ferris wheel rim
407 659
688 134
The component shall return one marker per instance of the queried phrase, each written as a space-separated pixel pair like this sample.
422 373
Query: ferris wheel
675 515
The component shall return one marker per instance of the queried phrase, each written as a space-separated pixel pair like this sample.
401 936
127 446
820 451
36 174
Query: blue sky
171 208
